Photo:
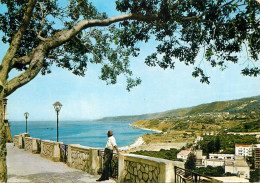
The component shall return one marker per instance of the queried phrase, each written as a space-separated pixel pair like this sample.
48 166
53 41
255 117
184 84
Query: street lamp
57 106
26 115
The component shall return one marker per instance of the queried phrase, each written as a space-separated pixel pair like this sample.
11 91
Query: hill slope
232 106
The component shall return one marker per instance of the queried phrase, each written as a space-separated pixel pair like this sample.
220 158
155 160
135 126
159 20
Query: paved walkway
24 166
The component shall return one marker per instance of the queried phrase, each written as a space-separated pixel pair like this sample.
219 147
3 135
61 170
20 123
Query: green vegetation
164 154
211 171
255 176
241 106
190 164
212 144
247 127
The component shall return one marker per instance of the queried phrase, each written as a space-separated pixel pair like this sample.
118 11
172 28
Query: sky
86 98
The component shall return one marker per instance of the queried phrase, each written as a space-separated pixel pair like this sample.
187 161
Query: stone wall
136 168
50 149
83 158
16 140
32 144
28 141
131 167
21 140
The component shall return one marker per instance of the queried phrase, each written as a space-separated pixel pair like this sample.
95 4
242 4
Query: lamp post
57 106
26 115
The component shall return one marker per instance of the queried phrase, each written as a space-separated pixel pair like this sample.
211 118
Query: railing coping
159 160
51 142
78 146
32 138
16 135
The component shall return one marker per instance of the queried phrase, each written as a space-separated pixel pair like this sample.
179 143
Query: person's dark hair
109 133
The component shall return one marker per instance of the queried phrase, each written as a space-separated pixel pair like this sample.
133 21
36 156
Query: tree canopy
75 34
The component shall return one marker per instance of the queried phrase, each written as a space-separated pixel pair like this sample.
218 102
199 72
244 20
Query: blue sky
90 98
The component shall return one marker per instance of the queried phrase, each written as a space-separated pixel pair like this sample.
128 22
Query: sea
86 133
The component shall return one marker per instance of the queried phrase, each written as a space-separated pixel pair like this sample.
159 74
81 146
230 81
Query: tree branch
42 23
64 35
6 62
30 73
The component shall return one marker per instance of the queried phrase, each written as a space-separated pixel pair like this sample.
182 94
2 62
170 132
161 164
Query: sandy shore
136 144
139 144
157 131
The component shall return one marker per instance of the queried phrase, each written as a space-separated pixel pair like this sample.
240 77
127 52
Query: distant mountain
232 106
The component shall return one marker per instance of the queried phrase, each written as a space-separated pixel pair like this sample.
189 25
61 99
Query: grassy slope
233 106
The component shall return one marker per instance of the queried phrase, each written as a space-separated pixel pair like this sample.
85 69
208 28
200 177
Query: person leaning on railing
111 145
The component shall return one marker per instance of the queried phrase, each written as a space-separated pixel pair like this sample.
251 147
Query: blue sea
86 133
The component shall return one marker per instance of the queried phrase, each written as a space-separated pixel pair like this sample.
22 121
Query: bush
164 154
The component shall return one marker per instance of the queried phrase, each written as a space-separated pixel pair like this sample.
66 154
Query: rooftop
184 153
243 145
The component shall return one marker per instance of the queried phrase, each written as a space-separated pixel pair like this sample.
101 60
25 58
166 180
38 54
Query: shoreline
138 142
148 129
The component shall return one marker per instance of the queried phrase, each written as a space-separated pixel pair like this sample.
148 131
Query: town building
216 162
199 157
183 154
221 156
243 150
257 156
238 167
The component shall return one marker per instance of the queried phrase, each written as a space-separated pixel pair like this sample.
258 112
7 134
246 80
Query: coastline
139 141
148 129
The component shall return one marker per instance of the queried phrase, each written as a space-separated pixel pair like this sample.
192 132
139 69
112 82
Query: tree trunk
3 150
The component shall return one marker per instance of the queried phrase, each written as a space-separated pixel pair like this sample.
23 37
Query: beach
148 129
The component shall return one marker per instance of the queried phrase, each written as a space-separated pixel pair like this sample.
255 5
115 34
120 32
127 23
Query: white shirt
111 142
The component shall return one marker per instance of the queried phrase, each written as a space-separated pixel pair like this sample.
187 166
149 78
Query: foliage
255 176
73 34
164 154
211 171
247 127
191 162
182 29
227 142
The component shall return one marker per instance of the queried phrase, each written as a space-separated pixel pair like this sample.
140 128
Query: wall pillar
94 162
21 140
121 173
35 145
56 151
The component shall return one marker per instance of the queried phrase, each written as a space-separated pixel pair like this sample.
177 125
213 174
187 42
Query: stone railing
32 144
19 140
131 167
16 140
83 158
50 149
137 168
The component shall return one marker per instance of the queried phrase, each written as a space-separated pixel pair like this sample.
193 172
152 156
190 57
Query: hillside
232 106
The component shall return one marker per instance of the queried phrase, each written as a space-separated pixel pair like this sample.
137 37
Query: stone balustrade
83 158
50 149
137 168
32 144
19 140
16 140
131 167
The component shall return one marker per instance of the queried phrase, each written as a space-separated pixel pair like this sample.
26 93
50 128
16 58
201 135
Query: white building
243 150
221 156
183 154
216 162
238 167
